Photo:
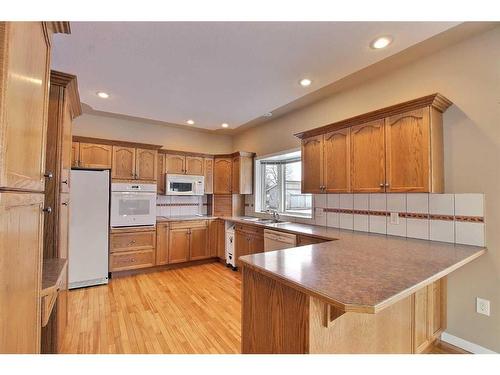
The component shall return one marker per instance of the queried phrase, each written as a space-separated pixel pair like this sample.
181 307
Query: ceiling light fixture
190 122
381 42
304 82
268 114
102 94
225 125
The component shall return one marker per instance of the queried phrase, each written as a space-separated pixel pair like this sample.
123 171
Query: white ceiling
215 72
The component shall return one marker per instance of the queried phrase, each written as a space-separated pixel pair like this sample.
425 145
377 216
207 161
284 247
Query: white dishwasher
274 240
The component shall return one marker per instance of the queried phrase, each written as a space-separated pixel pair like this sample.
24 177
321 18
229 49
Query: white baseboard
464 344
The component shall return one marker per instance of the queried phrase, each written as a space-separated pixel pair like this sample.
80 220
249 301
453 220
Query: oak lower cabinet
132 248
221 239
394 149
178 244
21 240
162 239
199 245
248 240
91 155
213 237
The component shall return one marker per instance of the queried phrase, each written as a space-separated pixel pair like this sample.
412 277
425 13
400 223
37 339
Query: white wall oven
181 184
133 205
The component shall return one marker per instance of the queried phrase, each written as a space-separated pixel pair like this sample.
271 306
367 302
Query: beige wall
468 74
170 137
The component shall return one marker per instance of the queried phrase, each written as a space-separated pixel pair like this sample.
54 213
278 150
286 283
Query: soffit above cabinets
216 72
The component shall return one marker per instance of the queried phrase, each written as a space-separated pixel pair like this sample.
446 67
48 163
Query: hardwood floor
185 310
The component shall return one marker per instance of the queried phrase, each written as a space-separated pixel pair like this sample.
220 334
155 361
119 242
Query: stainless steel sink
263 221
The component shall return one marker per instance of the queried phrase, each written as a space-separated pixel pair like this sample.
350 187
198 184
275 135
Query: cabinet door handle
64 182
65 203
48 175
47 210
387 184
381 185
131 242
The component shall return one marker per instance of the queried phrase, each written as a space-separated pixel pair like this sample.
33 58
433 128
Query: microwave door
180 188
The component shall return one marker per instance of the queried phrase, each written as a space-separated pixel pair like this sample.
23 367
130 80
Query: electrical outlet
394 218
483 306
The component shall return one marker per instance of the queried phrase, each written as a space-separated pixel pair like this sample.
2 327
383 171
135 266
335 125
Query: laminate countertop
358 271
160 219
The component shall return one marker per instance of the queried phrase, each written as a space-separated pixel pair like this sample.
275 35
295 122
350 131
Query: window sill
286 215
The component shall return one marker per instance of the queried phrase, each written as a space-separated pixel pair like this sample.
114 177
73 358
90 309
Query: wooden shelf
52 281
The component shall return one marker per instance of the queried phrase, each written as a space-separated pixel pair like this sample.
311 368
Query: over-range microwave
181 184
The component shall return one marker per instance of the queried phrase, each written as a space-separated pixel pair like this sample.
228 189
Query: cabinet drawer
132 241
250 229
131 260
189 224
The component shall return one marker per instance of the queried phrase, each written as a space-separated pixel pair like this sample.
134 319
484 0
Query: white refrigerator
89 228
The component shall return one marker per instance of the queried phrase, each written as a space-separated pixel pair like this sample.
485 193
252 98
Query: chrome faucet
275 214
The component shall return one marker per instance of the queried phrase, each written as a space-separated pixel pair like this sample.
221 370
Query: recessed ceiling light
224 125
102 94
268 114
305 82
381 42
190 122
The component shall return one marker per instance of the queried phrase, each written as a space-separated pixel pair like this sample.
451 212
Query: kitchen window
279 179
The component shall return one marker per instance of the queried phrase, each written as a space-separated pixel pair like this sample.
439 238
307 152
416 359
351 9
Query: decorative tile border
409 215
177 204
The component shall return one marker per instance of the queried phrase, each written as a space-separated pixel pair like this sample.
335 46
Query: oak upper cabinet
337 161
223 175
209 175
94 155
235 174
408 152
162 242
123 163
312 164
368 157
75 153
178 244
146 164
393 149
160 174
242 173
199 245
194 165
175 164
24 85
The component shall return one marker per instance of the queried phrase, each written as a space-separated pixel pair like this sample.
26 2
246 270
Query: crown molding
70 83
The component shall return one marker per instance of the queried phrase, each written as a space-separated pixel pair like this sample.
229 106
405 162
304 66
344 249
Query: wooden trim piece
436 100
185 153
101 141
60 27
70 83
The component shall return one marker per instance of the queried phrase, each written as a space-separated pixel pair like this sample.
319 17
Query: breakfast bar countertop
356 271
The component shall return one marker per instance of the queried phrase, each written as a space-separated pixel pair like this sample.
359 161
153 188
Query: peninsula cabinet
248 240
92 155
394 149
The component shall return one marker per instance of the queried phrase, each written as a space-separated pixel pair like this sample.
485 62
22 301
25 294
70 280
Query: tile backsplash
173 205
454 218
